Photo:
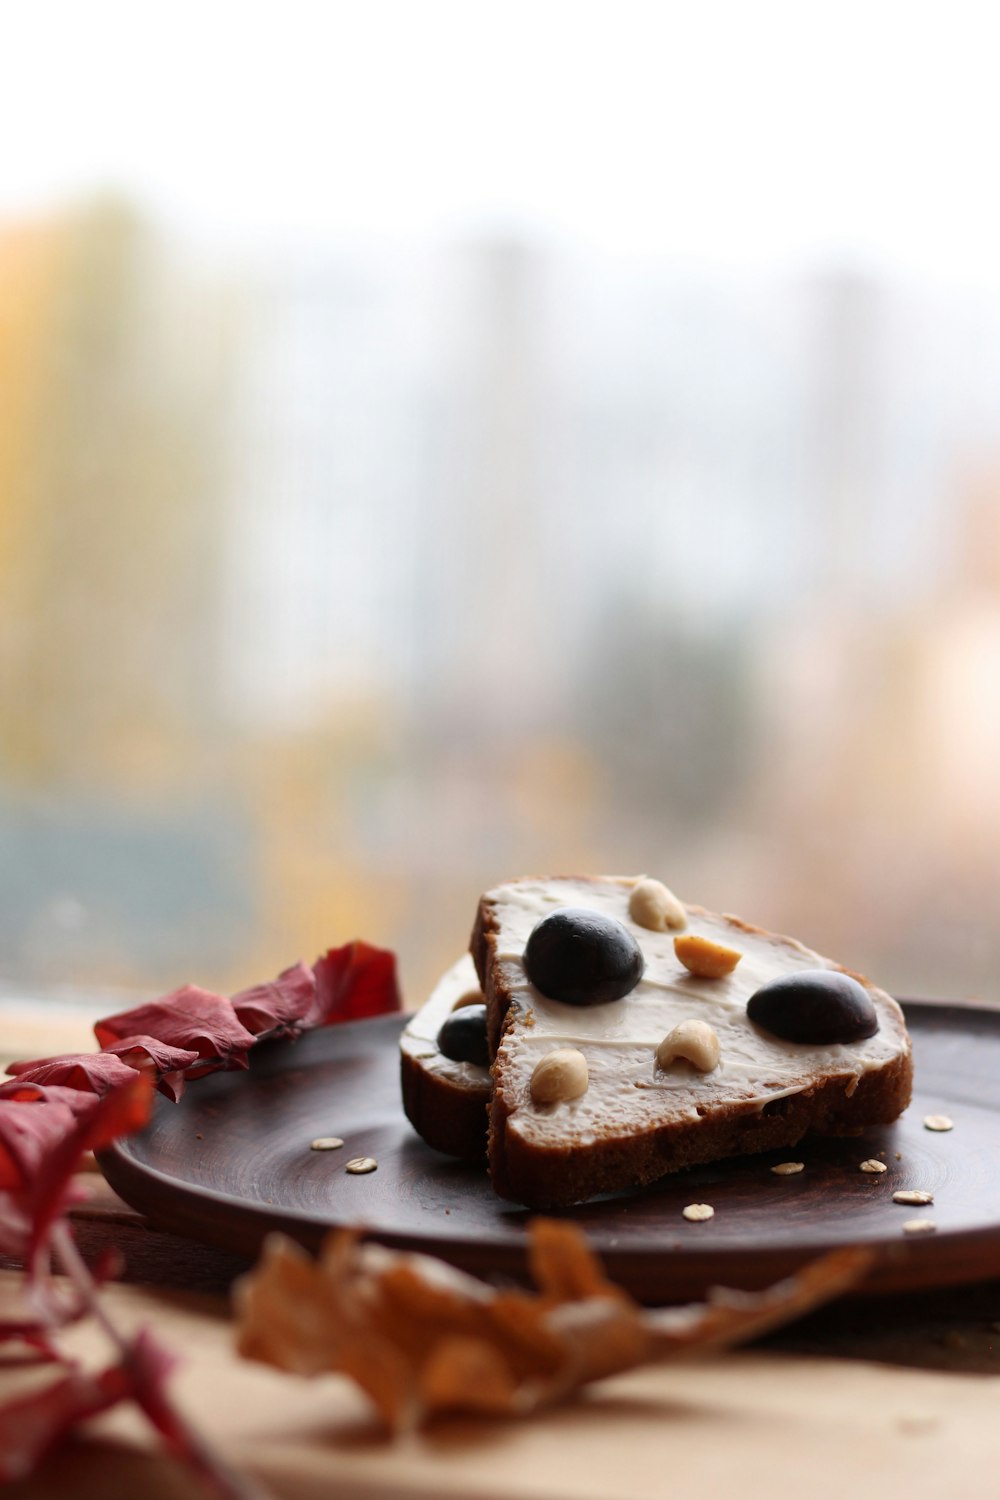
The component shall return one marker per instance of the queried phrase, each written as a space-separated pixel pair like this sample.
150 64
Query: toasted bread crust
451 1117
555 1179
483 947
550 1176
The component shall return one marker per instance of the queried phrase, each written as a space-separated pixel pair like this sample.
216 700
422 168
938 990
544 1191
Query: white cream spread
419 1037
619 1039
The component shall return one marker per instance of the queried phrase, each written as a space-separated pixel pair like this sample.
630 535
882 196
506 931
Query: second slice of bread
445 1101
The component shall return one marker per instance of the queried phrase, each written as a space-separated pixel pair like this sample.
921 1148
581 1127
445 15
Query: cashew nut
695 1042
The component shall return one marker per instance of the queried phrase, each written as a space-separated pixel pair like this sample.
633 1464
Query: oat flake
788 1168
912 1195
938 1122
326 1143
697 1212
358 1165
919 1226
874 1165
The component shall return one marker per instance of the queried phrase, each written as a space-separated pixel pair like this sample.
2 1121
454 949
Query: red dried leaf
150 1364
28 1138
37 1333
166 1064
32 1426
148 1054
119 1113
27 1091
96 1072
280 1006
190 1018
15 1226
40 1147
353 982
48 1310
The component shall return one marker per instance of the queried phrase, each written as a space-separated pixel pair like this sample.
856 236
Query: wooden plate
232 1161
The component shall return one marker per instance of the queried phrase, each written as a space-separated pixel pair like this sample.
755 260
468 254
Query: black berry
582 957
818 1006
463 1036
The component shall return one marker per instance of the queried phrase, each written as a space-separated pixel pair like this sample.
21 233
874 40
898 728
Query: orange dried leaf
467 1374
732 1317
563 1266
420 1337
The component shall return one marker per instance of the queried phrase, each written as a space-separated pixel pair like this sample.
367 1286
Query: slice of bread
636 1120
445 1101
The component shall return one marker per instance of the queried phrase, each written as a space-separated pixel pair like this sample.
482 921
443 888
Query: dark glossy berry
463 1036
582 957
818 1006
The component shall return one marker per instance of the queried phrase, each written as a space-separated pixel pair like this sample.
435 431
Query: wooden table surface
900 1393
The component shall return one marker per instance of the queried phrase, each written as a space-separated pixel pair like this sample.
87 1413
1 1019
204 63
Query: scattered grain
326 1143
788 1168
872 1165
912 1196
938 1122
919 1226
358 1165
697 1213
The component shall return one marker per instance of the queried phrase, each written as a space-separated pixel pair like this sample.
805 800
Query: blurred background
441 442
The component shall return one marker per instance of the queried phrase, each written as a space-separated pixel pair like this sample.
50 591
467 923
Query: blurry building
340 587
116 841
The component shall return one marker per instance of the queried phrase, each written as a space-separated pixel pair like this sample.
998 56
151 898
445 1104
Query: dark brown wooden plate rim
950 1258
